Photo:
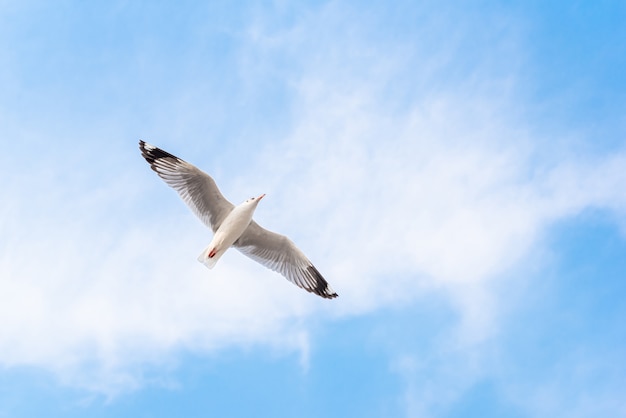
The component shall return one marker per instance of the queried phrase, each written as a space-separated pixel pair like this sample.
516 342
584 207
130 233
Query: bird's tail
209 261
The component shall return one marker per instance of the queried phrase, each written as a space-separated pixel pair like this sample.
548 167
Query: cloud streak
397 179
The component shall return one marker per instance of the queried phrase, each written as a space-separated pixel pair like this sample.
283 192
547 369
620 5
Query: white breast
229 231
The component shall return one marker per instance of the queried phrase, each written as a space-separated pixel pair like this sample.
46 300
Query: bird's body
233 225
229 231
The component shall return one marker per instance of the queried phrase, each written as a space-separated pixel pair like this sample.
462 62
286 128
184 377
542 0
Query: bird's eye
252 198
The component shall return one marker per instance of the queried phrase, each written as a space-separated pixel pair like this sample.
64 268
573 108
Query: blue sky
456 171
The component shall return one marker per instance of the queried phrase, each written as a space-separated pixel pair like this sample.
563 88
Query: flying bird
233 225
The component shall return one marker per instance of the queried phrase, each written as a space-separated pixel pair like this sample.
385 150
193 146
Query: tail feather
209 262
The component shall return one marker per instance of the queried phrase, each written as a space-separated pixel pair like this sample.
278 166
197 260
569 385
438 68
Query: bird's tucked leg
210 255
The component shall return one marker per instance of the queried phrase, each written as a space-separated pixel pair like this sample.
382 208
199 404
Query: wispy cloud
395 174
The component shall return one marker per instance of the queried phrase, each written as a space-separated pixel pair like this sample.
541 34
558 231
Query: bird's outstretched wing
280 254
193 185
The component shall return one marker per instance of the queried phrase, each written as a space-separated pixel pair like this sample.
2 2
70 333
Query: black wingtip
322 289
152 153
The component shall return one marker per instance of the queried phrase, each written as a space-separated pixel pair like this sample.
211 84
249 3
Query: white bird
233 225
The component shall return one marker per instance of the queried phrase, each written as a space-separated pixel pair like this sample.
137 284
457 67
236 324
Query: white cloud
444 189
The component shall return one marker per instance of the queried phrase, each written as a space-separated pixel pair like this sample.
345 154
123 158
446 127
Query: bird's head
255 200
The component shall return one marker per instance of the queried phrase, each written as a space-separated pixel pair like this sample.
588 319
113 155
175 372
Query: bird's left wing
280 254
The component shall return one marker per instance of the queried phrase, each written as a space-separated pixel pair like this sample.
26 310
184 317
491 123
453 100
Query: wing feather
279 253
197 189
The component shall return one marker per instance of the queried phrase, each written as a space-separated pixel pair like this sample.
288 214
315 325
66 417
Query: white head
254 200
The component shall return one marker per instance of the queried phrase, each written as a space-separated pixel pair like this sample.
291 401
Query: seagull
233 225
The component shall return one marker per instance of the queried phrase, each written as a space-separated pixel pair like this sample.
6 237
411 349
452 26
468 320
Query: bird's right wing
280 254
194 186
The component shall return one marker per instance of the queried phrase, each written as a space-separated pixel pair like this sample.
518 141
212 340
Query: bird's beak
261 197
